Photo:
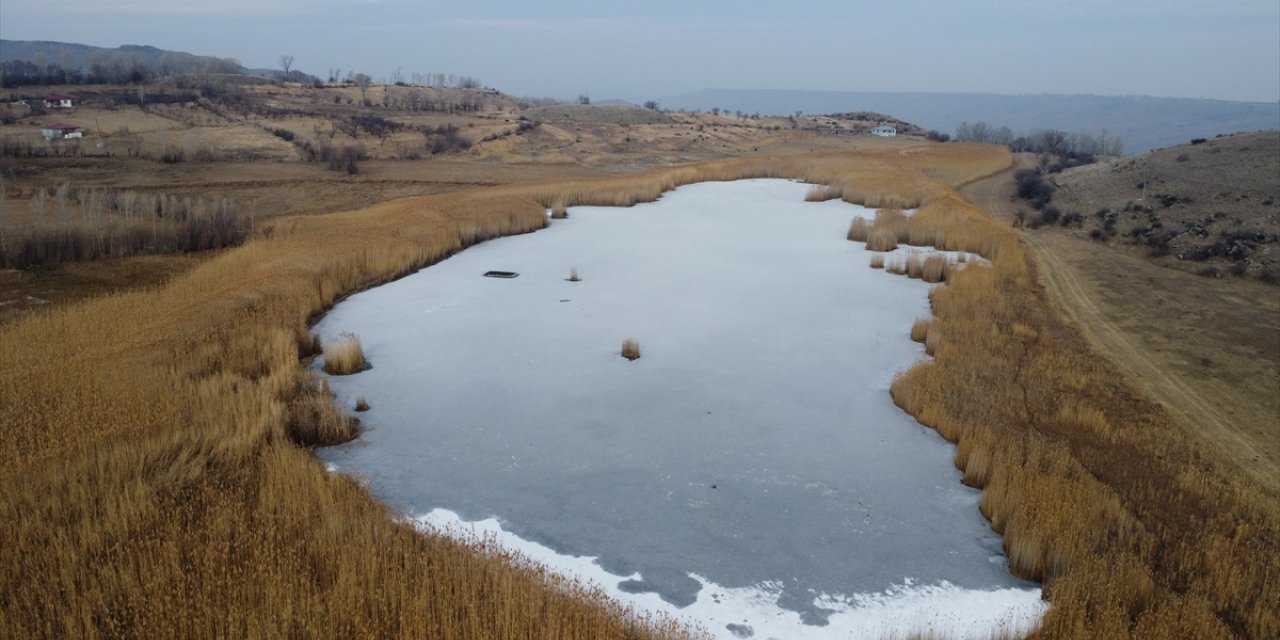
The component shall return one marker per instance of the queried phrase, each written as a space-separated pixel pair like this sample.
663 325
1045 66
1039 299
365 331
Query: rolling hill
1144 122
1211 207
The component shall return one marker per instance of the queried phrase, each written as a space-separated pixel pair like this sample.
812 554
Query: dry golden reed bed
155 479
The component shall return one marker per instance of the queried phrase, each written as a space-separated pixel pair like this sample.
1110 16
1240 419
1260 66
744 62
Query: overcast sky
1223 49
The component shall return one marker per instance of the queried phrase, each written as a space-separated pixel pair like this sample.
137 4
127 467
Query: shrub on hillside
1072 219
348 159
1033 187
1050 215
345 158
444 139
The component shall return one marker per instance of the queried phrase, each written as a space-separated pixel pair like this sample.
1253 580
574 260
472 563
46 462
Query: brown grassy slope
1137 533
1198 207
596 114
150 488
1207 349
238 125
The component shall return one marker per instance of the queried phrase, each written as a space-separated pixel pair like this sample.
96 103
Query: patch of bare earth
24 291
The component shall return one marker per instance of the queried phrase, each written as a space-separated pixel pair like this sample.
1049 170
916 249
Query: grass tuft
822 193
920 329
313 417
932 339
915 266
308 344
559 211
882 240
630 349
935 269
344 355
894 220
877 261
573 275
362 404
859 228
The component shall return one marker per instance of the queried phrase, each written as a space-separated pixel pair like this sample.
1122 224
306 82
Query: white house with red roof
60 130
57 101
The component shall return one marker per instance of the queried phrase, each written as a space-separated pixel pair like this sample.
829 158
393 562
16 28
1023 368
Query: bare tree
584 99
363 81
4 206
65 61
42 64
286 62
39 200
61 196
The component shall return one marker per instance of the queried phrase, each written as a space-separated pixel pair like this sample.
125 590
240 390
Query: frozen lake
749 472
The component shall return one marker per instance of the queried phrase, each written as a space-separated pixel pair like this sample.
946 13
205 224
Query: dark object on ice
740 630
500 274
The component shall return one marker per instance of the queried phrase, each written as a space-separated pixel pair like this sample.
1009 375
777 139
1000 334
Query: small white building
57 101
61 130
885 131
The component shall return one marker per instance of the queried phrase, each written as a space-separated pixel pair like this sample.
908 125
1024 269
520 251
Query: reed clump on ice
344 355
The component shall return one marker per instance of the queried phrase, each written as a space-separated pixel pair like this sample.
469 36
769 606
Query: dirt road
1201 348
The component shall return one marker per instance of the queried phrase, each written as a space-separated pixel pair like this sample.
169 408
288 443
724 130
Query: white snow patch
942 610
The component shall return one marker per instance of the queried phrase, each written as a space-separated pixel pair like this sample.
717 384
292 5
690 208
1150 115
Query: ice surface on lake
750 469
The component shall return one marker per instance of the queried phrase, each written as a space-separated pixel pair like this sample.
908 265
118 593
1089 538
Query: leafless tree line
1051 141
416 79
101 67
440 102
69 224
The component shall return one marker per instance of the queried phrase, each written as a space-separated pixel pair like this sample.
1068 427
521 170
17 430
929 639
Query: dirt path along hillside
1207 349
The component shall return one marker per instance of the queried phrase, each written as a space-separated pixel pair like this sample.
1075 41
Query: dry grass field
156 478
231 150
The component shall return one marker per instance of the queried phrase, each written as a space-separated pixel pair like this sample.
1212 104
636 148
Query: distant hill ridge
80 56
1144 122
52 52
